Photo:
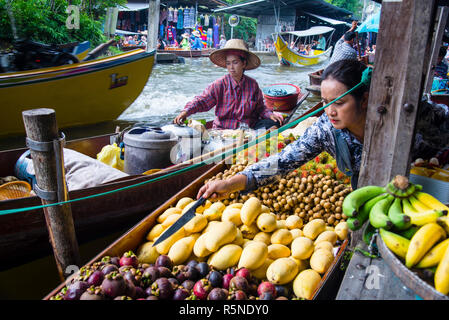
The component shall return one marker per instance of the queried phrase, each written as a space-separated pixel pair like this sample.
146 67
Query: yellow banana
397 244
422 241
442 274
418 205
430 201
434 256
420 218
444 222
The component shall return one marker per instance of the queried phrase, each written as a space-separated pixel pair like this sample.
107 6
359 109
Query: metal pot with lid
147 148
189 145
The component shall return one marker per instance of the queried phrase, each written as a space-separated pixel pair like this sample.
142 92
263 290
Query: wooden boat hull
83 93
184 53
129 48
25 236
289 57
136 236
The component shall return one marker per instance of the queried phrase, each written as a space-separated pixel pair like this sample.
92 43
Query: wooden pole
396 90
40 126
153 24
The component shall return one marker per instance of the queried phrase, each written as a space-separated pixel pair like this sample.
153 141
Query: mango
238 238
293 222
296 233
264 237
282 271
266 222
313 228
302 264
170 220
306 283
237 205
326 245
321 260
146 253
155 232
341 229
281 236
264 209
232 215
214 212
165 245
182 249
220 234
249 232
196 224
253 255
199 248
330 236
276 251
281 224
250 210
226 257
167 213
261 272
302 248
183 202
210 225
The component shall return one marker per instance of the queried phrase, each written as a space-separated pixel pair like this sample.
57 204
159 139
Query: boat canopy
309 32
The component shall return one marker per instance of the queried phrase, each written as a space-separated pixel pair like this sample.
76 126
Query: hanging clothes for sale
175 15
210 40
216 35
170 38
163 16
170 14
203 35
201 22
161 31
192 17
180 24
206 21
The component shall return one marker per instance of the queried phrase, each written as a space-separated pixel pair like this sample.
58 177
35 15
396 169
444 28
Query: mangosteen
266 286
226 279
96 278
178 272
114 285
192 273
244 272
165 272
162 288
123 298
115 261
75 290
140 293
152 298
181 294
132 274
129 259
148 291
231 271
164 261
239 283
105 260
188 284
217 294
192 263
108 268
266 296
203 269
93 293
238 295
281 291
150 275
130 289
174 282
202 288
215 278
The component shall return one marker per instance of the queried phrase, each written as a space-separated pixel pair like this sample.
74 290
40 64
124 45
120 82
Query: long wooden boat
182 53
290 57
81 93
130 47
315 82
132 239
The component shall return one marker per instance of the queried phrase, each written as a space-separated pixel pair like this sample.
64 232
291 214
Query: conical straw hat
219 56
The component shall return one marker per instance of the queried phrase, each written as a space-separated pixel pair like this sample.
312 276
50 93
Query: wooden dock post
153 24
41 130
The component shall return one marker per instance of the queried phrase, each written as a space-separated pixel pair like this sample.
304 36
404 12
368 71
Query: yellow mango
321 260
182 249
146 253
306 283
313 228
250 210
226 257
167 213
264 209
276 251
282 236
261 272
214 212
326 245
302 264
238 238
249 232
170 220
232 215
253 255
165 245
296 233
199 248
302 248
293 222
246 242
210 225
155 232
281 224
220 234
183 202
330 236
237 205
266 222
282 271
264 237
196 224
341 229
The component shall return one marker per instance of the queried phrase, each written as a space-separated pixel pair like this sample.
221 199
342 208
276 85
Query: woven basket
14 190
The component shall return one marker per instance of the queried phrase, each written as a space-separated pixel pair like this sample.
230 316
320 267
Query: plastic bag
110 155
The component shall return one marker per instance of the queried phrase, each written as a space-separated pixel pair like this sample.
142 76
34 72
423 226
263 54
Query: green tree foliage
244 30
45 20
355 6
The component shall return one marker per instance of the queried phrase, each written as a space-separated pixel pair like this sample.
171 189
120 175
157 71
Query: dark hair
348 72
349 35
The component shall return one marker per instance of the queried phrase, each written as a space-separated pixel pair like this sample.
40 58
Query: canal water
169 88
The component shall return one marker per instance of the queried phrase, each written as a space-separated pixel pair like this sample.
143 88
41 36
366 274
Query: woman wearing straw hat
185 44
197 45
237 97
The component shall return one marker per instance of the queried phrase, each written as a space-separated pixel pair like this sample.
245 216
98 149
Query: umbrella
371 24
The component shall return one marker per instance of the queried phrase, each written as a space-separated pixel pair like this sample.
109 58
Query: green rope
366 77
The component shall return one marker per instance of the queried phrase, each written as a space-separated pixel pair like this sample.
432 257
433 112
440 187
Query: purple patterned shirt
234 102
